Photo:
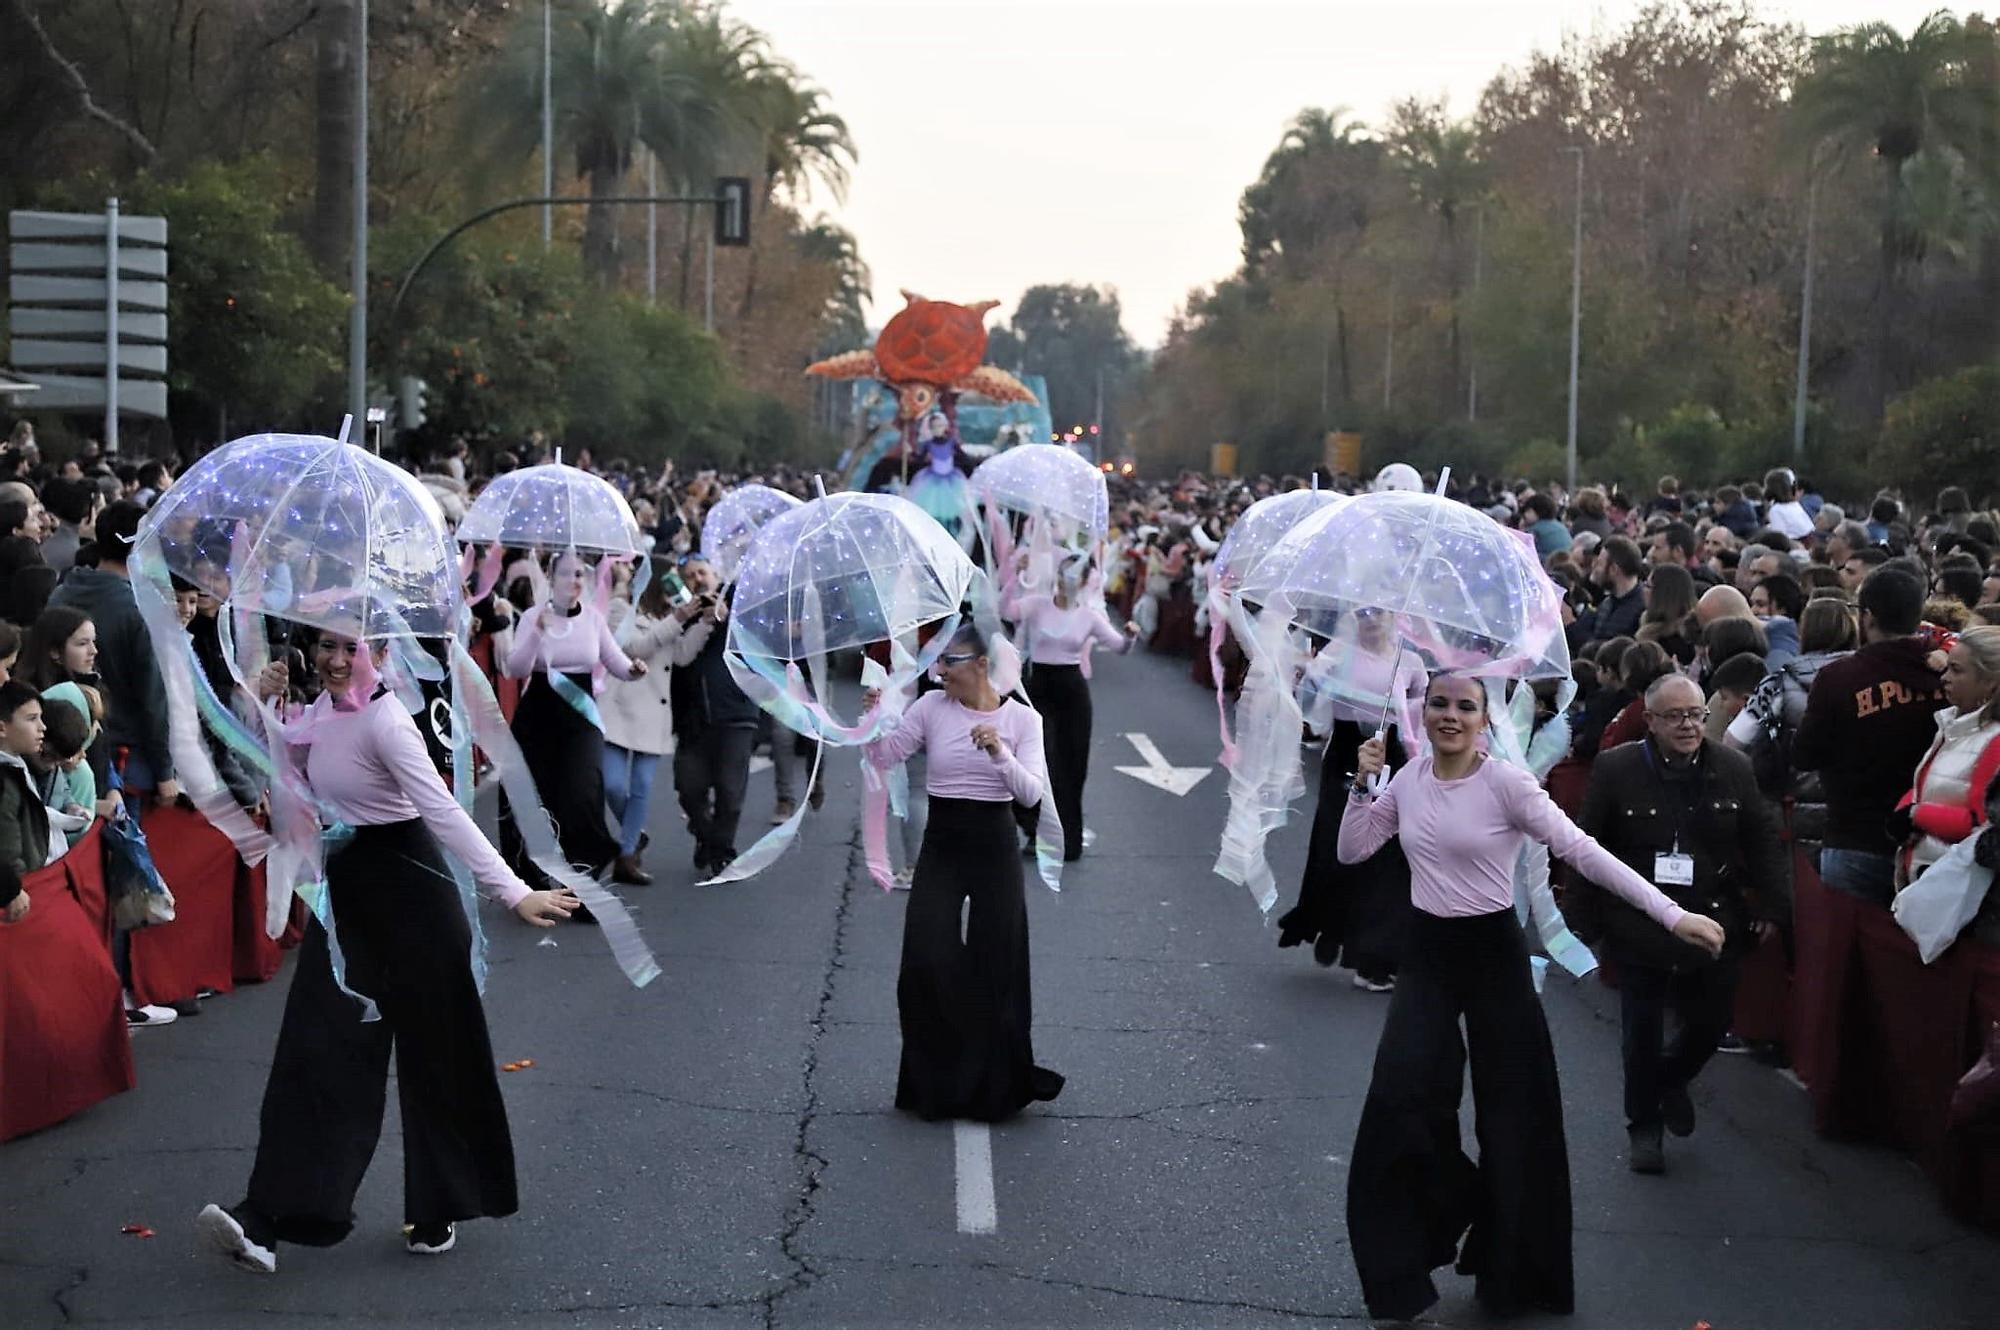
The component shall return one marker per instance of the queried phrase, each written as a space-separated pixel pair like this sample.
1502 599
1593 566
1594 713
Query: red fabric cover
196 950
83 868
63 1040
1628 726
1881 1039
254 955
1764 994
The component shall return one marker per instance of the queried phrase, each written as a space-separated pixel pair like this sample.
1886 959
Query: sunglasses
957 657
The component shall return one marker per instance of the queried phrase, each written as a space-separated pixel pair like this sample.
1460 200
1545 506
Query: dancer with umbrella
332 538
1057 605
562 647
1469 595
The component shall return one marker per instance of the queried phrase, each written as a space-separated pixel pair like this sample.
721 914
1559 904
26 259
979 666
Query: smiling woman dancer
407 944
1412 1193
964 1004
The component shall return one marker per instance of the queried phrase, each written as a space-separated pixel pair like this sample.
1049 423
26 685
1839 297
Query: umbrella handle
1380 780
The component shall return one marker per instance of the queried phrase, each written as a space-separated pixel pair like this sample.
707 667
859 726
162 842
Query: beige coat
637 716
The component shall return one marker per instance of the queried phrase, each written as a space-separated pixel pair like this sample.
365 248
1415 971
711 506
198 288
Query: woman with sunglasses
407 945
1412 1193
558 645
1058 628
964 1004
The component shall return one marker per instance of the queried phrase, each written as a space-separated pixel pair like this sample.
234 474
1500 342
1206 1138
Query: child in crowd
67 788
24 820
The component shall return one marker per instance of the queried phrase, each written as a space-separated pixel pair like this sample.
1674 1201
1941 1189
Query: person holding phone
715 722
1412 1193
963 1001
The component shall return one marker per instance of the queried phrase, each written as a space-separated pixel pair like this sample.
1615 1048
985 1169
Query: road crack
811 1164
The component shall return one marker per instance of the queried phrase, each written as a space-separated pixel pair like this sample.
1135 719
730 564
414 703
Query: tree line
234 118
1410 277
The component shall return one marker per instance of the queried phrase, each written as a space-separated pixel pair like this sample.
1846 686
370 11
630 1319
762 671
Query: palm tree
719 63
805 144
1440 161
1870 89
626 75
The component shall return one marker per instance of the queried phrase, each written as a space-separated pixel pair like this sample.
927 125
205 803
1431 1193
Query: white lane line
974 1146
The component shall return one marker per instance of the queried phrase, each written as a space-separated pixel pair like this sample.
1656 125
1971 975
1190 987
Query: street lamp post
1478 267
548 125
1805 331
1575 317
357 316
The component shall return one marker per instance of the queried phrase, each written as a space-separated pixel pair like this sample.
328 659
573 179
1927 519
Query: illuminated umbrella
553 507
734 522
1046 480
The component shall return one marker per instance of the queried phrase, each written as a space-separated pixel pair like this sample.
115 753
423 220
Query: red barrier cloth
196 950
83 867
1764 994
63 1039
254 954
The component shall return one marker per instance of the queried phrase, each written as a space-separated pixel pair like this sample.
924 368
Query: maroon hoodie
1868 723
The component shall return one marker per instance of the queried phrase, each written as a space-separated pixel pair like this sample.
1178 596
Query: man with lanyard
715 722
1686 812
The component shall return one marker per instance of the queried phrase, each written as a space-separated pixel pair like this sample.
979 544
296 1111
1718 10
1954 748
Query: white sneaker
224 1233
433 1240
139 1017
903 879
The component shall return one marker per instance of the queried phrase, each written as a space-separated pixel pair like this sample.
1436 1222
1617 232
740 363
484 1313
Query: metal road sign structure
87 296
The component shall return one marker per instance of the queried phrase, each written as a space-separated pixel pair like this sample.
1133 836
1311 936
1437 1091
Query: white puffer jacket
1946 773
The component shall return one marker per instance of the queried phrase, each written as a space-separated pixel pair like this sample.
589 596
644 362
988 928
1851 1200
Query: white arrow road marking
759 763
1157 773
974 1145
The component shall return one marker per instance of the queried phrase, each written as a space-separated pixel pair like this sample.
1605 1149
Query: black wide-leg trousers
407 944
1412 1192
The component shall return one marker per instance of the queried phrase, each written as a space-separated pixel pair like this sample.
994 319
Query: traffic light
412 399
732 211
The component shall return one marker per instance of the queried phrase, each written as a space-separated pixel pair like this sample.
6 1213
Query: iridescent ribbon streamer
1511 738
581 702
1267 769
510 769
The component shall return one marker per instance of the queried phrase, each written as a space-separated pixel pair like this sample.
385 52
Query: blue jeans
628 788
1872 877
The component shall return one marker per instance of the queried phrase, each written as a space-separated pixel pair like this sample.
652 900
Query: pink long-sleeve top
954 768
371 767
1059 636
1463 838
566 644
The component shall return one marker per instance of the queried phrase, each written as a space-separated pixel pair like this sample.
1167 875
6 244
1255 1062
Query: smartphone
677 590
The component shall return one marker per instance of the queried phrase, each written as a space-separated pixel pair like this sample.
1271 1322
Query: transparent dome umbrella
844 571
1262 525
553 507
313 530
1046 480
734 522
1467 593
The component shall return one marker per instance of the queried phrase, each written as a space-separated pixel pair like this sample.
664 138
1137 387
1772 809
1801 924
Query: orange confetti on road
522 1065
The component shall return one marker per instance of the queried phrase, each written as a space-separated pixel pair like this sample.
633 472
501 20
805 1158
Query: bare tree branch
82 88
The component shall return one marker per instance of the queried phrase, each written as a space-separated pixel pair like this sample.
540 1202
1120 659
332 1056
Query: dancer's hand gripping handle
1371 764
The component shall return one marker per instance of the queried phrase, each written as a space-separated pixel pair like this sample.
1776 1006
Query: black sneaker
1648 1153
235 1233
1677 1111
1732 1043
429 1239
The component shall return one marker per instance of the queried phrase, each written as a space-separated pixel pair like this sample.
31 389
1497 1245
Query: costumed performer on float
964 1002
406 942
1412 1192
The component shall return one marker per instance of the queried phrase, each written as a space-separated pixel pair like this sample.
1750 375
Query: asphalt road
719 1149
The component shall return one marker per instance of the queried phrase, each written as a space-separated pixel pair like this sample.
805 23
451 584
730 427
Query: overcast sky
1009 142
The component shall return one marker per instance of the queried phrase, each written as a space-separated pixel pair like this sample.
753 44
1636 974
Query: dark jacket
703 694
1867 725
1741 519
24 820
1636 807
1619 616
135 702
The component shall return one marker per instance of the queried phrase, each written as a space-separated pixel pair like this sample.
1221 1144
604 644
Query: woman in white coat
637 721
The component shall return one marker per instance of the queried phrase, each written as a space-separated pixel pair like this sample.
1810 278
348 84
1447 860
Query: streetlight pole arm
437 246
